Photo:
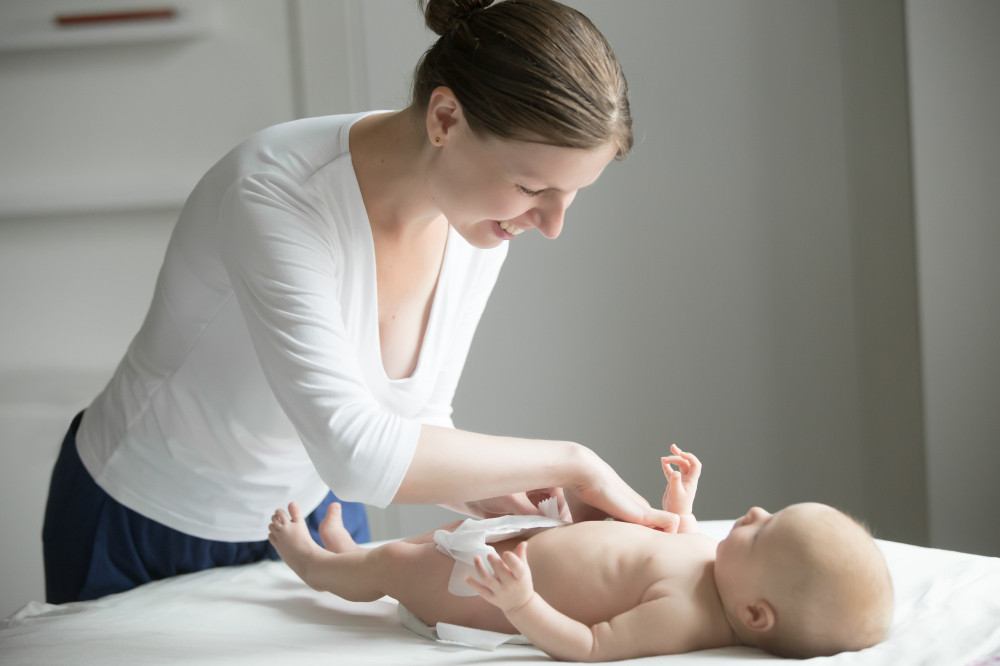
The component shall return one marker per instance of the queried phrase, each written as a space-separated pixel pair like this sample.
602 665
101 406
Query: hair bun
443 16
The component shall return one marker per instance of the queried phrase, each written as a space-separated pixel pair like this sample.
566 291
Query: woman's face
492 190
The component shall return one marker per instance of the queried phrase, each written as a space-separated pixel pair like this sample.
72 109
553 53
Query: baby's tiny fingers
481 569
677 460
513 563
481 590
500 567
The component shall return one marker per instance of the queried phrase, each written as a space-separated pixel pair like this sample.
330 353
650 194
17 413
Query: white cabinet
129 114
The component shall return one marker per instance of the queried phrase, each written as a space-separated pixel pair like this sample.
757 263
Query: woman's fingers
664 520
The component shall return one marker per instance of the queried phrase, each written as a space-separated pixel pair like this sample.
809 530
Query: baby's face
752 547
812 547
737 557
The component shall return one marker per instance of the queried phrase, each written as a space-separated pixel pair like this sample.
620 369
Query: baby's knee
397 555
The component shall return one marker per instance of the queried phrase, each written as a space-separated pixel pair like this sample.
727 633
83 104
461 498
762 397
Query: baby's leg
333 534
414 573
348 574
337 539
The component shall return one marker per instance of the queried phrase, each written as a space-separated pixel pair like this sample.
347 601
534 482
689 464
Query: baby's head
804 582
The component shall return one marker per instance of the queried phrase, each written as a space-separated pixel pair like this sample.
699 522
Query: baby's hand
681 485
509 587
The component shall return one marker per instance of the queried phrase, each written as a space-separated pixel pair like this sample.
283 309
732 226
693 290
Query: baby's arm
681 487
635 633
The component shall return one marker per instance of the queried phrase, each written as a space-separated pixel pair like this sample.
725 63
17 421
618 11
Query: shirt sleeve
279 254
439 408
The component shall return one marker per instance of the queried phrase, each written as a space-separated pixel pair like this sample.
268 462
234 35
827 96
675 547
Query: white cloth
442 632
947 614
469 540
473 537
257 375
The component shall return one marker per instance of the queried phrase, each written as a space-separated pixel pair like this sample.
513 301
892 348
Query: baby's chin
721 546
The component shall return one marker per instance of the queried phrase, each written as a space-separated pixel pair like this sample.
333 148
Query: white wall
955 83
73 291
98 148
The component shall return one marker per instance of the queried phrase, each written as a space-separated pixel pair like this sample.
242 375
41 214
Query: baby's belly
590 571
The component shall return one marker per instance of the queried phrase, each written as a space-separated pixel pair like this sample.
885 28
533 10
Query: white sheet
948 613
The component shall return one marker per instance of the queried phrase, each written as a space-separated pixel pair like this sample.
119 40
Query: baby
803 582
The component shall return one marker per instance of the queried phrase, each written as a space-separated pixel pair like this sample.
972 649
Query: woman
315 307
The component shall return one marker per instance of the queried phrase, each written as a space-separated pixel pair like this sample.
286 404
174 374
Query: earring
437 139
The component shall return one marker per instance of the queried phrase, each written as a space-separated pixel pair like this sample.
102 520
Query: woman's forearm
448 463
452 466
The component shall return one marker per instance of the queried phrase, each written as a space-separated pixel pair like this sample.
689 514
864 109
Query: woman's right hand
451 466
599 492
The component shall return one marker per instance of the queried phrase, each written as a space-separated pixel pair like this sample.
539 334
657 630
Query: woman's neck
391 156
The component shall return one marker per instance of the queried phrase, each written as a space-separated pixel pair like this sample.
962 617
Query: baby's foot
335 536
290 537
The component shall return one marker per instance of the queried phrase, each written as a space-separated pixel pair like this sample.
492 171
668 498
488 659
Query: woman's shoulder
295 149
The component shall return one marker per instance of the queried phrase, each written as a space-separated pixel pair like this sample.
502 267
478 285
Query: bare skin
604 591
618 571
617 566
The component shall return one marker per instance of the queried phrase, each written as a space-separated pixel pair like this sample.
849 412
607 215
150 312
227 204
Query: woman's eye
531 193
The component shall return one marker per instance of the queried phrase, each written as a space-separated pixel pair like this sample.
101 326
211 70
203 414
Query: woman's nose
551 225
756 513
552 215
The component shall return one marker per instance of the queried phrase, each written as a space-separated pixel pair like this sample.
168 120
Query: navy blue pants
94 546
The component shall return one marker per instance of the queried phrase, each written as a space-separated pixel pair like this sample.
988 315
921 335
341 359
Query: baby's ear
758 616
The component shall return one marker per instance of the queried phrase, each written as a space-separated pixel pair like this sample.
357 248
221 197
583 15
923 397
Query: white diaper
464 544
473 537
454 634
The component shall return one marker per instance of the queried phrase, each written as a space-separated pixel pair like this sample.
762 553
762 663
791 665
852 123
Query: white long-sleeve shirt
257 377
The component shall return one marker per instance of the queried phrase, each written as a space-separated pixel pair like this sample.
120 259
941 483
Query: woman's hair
530 70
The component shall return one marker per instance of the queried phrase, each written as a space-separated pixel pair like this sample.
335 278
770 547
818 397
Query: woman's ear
758 616
444 113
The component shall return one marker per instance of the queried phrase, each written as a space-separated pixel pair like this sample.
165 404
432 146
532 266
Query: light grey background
793 275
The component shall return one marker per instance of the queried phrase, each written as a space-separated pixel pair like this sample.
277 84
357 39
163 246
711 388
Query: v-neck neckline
369 241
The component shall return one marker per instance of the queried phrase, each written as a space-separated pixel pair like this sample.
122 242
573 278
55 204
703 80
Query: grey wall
703 292
880 192
955 82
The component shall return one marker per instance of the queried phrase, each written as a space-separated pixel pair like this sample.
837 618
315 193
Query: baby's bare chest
594 571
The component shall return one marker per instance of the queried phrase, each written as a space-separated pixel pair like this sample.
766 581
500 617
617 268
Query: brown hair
532 70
